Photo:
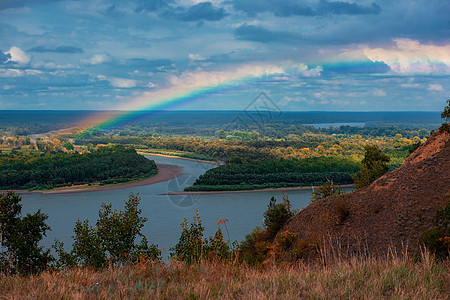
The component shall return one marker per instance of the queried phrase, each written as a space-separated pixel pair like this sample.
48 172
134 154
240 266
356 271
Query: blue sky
306 55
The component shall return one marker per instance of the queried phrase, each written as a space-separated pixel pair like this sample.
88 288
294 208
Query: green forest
45 170
277 173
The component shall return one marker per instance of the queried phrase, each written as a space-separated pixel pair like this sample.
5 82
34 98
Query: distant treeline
106 165
277 173
294 147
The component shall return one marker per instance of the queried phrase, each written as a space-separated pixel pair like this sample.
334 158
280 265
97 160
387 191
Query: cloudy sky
306 55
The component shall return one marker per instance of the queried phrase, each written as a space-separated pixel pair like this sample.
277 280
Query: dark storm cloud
262 35
60 49
4 57
294 8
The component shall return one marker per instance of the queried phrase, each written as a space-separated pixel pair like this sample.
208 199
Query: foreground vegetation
357 278
105 262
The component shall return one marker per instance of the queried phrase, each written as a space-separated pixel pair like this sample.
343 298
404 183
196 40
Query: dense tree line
106 165
277 173
290 147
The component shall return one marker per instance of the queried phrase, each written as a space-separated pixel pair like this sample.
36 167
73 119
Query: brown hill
391 213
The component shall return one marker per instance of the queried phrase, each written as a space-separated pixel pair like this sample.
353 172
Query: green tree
276 216
191 246
446 112
68 145
20 236
446 116
373 166
112 240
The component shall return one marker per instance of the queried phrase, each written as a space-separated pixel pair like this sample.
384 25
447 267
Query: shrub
341 206
437 238
255 247
257 244
325 190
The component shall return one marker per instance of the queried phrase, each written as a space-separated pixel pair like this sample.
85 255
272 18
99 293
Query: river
164 212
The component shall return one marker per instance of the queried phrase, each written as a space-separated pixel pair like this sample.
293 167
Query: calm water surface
165 213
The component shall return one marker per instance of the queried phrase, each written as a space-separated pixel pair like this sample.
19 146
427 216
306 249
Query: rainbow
182 92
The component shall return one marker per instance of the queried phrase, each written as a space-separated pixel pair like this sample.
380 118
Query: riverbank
252 191
166 172
215 163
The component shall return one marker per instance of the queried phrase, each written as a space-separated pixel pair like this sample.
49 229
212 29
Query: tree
191 246
276 216
373 166
446 112
68 146
446 116
112 240
19 237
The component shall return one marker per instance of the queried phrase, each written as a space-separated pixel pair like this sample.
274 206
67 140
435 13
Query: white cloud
123 82
196 57
97 59
32 72
410 85
379 93
18 56
287 100
302 70
435 87
10 73
412 57
315 72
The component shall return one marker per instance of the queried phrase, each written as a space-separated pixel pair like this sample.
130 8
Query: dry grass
393 278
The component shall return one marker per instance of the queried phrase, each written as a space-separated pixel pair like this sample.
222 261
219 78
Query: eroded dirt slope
391 213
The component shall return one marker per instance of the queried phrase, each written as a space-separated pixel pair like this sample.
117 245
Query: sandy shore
166 172
252 191
185 158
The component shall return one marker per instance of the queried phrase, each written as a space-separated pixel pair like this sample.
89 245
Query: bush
257 244
325 190
254 248
342 208
437 239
